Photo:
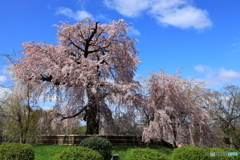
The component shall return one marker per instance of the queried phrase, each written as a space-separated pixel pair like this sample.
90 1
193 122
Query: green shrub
16 151
102 145
228 149
78 153
144 154
189 153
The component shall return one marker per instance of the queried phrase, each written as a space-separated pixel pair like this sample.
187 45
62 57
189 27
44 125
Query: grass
46 152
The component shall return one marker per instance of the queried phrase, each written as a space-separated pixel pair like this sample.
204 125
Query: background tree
93 65
179 116
16 110
34 131
225 113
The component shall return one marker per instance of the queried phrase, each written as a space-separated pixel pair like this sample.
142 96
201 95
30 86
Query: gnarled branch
74 115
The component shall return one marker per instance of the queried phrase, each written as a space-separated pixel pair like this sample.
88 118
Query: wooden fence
76 139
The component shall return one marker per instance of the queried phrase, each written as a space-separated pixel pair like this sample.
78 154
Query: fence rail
76 139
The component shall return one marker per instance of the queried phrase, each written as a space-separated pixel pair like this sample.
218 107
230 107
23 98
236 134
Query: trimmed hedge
16 151
189 153
102 145
144 154
78 153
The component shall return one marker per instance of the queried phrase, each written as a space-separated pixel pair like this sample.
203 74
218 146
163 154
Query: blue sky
200 36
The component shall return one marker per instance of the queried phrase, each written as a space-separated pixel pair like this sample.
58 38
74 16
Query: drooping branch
74 115
9 58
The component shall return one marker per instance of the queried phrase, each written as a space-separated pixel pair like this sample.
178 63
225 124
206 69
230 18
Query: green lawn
45 152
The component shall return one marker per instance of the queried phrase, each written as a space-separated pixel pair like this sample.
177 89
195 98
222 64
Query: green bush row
92 148
190 153
78 153
16 151
97 148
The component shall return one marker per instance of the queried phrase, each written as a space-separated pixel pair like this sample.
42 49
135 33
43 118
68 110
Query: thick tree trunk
92 116
92 120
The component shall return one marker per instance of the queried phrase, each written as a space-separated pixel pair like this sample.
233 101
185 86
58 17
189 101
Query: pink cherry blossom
91 65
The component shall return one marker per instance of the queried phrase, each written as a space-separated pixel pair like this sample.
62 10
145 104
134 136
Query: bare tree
16 109
225 112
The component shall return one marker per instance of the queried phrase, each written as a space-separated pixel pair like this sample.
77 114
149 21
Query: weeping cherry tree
179 114
91 67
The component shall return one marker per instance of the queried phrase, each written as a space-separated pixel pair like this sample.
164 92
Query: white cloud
129 8
217 76
186 17
208 71
201 68
177 13
78 16
3 79
227 75
133 31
